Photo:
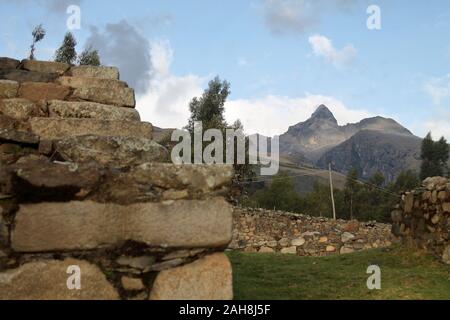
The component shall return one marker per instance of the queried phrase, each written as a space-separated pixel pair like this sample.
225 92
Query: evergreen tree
434 157
89 57
38 34
67 53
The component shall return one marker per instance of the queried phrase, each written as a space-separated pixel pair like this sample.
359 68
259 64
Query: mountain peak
322 112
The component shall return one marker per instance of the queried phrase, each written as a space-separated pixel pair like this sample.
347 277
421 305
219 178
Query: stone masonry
422 219
265 231
86 195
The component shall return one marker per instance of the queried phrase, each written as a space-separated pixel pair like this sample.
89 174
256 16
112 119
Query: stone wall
259 230
84 188
422 219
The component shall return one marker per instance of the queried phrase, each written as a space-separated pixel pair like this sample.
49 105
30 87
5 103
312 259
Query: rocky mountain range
371 145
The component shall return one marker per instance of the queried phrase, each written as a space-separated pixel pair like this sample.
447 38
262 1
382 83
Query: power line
384 190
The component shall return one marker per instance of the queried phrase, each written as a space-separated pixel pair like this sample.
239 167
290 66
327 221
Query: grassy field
404 275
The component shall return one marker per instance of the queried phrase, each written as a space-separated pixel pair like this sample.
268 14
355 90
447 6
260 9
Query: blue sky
282 57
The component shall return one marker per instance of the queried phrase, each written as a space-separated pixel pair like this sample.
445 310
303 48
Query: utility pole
332 193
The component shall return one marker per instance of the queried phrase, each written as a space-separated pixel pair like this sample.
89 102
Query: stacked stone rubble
265 231
422 219
84 187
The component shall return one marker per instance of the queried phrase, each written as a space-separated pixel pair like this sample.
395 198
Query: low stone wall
88 208
422 219
259 230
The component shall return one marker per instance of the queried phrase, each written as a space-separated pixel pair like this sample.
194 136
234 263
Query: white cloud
323 47
438 88
165 103
296 16
439 128
272 115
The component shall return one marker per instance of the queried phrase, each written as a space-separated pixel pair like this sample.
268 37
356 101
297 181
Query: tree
209 110
210 107
38 34
434 157
406 180
89 57
67 53
351 187
280 194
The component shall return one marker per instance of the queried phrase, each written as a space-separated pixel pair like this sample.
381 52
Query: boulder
132 284
8 89
57 129
409 202
92 110
20 109
209 278
330 249
75 225
446 255
94 72
45 66
122 97
266 250
346 250
110 151
27 76
8 63
347 236
43 91
49 279
289 250
298 242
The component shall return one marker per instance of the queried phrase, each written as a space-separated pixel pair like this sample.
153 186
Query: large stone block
57 129
122 97
83 82
88 225
43 91
45 66
8 89
26 76
110 151
48 280
8 63
40 179
72 109
20 109
209 278
198 178
95 72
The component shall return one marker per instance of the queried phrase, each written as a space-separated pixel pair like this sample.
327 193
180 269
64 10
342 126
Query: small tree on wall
67 53
89 57
38 34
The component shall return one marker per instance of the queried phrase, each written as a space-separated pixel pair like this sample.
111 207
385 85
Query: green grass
404 275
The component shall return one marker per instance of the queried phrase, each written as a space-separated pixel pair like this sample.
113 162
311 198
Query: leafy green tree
38 34
89 57
434 157
280 194
67 53
209 110
210 107
406 180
